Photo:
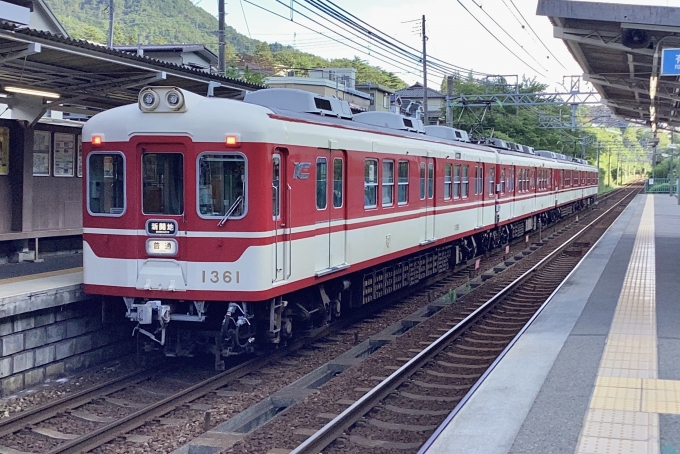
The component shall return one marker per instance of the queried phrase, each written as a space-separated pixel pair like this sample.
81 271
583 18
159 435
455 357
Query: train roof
217 117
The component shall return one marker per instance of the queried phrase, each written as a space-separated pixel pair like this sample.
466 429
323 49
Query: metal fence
661 186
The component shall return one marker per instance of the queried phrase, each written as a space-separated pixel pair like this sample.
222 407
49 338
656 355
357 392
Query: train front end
170 219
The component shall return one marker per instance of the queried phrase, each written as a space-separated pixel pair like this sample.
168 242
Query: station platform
30 288
598 370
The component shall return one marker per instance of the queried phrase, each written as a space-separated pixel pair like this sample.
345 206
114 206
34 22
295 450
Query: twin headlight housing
161 99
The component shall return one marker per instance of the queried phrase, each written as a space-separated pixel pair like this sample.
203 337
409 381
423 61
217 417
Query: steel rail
113 430
334 429
41 413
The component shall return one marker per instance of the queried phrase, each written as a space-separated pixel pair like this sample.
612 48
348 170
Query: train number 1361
216 277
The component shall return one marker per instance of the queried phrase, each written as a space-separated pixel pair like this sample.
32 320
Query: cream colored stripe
617 420
31 277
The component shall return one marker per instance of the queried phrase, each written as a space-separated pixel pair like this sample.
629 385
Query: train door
330 244
479 192
281 206
429 200
163 210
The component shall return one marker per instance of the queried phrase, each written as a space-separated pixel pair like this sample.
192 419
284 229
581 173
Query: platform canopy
620 48
90 77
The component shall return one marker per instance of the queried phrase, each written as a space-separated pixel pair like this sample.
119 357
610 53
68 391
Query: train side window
448 181
492 177
533 179
403 183
502 180
371 183
466 184
422 181
479 181
321 183
337 183
106 184
388 183
430 180
520 173
276 187
456 181
222 184
163 183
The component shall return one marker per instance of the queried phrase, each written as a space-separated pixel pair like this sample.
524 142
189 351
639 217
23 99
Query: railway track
108 429
406 407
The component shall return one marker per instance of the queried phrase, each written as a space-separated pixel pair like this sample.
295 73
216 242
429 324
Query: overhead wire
497 39
413 59
409 70
246 20
376 34
510 36
534 32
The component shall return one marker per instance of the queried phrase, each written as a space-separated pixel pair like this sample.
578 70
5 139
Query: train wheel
336 308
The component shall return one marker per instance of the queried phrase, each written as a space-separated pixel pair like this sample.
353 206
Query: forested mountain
180 21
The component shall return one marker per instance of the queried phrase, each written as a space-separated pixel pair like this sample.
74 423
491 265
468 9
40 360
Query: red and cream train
229 224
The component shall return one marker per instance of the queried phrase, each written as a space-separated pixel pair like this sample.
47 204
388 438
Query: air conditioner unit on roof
300 101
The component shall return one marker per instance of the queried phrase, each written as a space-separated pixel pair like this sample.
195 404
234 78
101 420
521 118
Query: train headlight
148 100
174 99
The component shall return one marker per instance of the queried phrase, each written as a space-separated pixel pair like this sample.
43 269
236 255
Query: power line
411 58
350 19
322 34
496 38
509 35
539 38
246 20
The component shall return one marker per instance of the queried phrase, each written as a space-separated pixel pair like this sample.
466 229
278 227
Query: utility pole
222 65
111 16
449 95
424 72
609 169
598 166
583 146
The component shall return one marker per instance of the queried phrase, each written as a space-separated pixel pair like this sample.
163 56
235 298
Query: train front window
221 185
106 184
163 183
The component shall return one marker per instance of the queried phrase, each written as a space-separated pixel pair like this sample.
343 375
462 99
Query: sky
454 36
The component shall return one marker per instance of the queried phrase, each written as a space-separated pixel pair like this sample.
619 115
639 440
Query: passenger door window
163 183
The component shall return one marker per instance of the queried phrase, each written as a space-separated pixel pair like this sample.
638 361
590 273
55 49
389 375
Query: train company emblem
301 167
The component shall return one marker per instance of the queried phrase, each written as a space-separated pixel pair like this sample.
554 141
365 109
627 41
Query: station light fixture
33 92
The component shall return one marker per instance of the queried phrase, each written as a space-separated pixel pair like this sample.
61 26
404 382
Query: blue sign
670 62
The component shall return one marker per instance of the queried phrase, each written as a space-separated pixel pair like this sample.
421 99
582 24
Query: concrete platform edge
494 415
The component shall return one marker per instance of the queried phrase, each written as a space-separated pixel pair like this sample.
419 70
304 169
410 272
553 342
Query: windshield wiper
231 209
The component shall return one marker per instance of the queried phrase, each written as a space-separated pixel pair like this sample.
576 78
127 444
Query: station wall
56 194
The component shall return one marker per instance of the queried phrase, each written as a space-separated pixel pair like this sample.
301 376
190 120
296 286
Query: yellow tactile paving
30 277
627 398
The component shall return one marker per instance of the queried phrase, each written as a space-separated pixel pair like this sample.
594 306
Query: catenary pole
425 119
449 95
111 17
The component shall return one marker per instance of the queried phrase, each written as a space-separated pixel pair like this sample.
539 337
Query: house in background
338 82
33 13
436 101
380 96
193 56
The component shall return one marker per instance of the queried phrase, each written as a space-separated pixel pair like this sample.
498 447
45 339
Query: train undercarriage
188 328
